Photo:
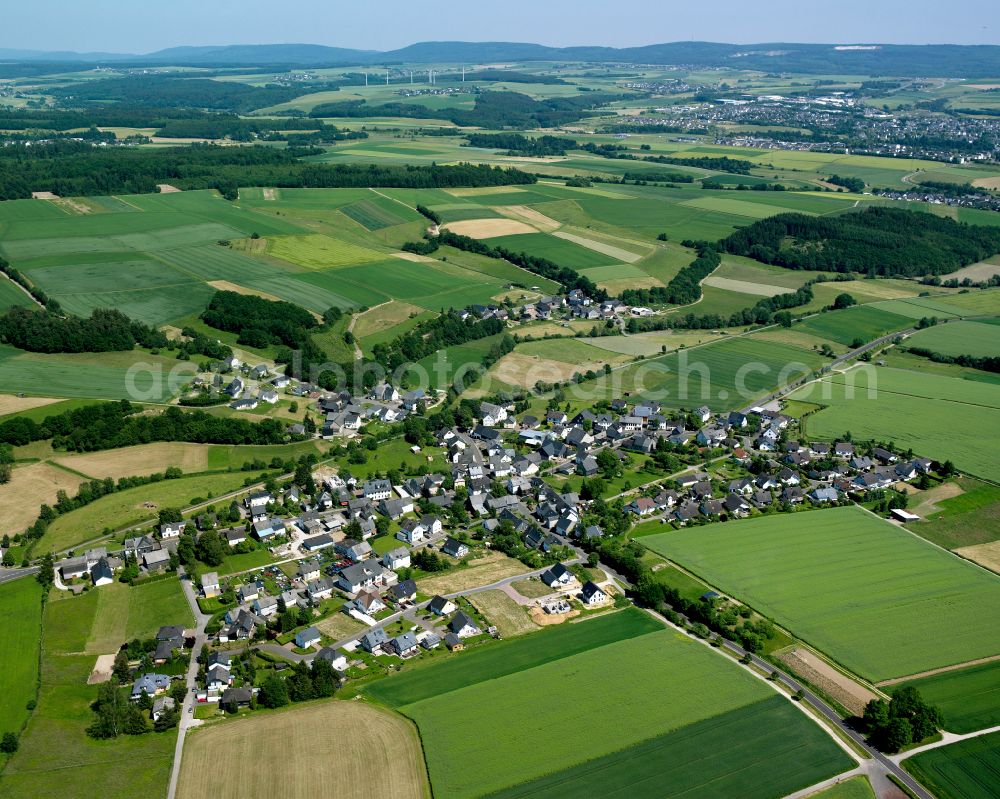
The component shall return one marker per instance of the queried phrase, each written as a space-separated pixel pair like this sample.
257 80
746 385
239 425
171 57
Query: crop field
380 756
969 698
374 215
854 788
131 506
21 617
11 295
524 702
143 459
864 323
724 375
959 338
940 417
29 487
558 250
766 749
317 251
56 758
964 770
874 597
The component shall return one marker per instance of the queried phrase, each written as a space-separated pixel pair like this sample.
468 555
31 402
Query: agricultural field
959 338
854 788
963 770
960 515
21 617
969 698
534 683
30 486
125 612
56 758
940 417
862 323
913 607
509 618
380 756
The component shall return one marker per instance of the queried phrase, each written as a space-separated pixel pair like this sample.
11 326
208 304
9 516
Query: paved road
9 575
188 720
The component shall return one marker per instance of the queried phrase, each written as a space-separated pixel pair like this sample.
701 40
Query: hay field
30 487
11 404
225 285
382 317
610 250
489 228
744 287
530 216
346 749
140 460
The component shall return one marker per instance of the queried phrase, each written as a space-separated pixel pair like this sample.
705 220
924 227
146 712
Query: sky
141 27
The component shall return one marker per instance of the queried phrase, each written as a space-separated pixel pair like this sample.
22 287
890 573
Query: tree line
989 363
877 242
684 288
40 296
105 330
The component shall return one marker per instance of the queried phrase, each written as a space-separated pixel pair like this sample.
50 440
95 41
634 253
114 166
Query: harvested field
269 195
528 215
483 191
598 246
102 669
987 555
383 317
517 369
510 618
489 228
821 674
339 625
140 460
225 285
29 488
11 404
927 500
744 287
44 195
532 588
988 183
166 188
71 206
977 272
414 257
483 571
377 754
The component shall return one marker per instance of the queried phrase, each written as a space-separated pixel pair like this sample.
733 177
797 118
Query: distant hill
934 60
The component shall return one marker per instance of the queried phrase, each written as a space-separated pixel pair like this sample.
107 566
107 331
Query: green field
959 338
560 251
940 417
124 508
21 618
56 759
11 295
863 322
319 252
964 770
875 598
969 698
530 692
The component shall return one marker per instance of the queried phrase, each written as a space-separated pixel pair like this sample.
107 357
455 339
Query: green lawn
874 597
969 698
964 770
854 788
21 620
155 604
940 417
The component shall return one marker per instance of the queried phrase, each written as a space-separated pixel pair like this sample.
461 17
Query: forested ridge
877 241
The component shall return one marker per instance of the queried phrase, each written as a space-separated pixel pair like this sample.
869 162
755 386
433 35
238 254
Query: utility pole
366 79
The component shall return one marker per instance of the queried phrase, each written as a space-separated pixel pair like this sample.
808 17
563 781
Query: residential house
592 594
455 548
558 576
373 640
404 645
406 591
397 558
463 626
307 638
440 606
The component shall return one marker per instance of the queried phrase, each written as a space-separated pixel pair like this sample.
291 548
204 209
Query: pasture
940 417
862 323
56 757
969 698
379 756
21 617
529 692
964 770
875 598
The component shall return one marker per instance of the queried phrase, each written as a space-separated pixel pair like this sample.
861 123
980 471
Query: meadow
21 617
862 323
969 698
875 598
940 417
56 758
540 702
125 612
964 770
959 338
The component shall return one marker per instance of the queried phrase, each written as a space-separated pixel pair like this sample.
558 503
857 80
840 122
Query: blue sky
138 27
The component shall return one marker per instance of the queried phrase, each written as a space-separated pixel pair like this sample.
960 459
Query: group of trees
856 185
986 363
110 425
74 169
519 144
257 321
50 303
432 335
685 287
106 330
877 241
306 681
115 715
905 719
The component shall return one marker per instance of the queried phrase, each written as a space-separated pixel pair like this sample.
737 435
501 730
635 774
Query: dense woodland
519 144
259 322
75 169
110 425
492 110
877 241
106 330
